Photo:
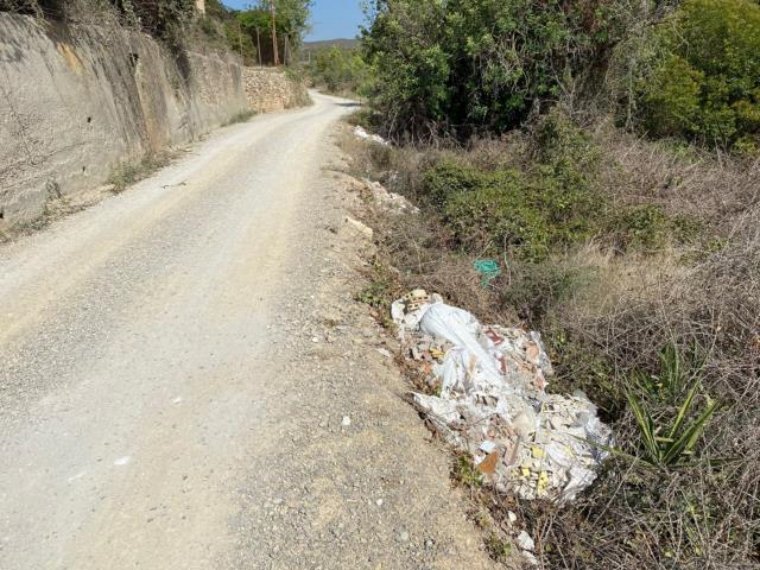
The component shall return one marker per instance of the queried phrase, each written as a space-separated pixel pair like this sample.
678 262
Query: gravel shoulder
188 382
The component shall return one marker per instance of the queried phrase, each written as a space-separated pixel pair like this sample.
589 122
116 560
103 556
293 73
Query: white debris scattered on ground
525 542
385 352
359 227
390 200
492 401
361 133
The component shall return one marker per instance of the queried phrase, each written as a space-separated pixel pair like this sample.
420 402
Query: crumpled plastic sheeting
492 402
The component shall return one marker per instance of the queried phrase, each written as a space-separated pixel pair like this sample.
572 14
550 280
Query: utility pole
275 49
240 39
258 44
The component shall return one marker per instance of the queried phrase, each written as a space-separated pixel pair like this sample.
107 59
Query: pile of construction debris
361 133
390 201
492 401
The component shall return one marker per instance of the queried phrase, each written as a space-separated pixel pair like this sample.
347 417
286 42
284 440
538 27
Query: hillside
344 43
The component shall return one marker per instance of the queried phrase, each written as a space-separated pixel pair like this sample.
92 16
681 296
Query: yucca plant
663 445
670 447
677 372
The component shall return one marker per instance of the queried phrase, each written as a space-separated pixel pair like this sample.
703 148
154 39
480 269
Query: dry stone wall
78 101
272 90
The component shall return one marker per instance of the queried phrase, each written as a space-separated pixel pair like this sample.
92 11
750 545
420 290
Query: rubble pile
492 401
390 200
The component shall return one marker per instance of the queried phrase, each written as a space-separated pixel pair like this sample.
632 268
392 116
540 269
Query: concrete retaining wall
77 101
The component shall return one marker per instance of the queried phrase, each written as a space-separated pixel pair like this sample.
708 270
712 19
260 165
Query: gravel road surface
187 383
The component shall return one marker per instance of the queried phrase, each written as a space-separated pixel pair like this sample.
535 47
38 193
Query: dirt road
187 383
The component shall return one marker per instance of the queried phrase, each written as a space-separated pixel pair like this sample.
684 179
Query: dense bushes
165 19
497 215
705 83
465 67
523 214
180 26
462 67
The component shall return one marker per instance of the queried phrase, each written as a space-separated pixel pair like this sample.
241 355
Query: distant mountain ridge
344 43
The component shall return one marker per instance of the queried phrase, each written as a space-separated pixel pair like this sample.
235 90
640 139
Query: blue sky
331 19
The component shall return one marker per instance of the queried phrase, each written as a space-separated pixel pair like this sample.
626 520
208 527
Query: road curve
136 381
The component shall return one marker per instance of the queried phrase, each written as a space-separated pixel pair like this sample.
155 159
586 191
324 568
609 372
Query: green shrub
671 97
648 228
558 141
641 228
498 216
448 178
566 197
547 206
564 177
705 84
527 215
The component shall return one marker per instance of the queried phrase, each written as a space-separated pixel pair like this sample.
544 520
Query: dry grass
704 515
685 180
417 248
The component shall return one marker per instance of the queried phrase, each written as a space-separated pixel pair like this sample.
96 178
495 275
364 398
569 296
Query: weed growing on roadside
498 549
241 117
129 173
379 293
466 474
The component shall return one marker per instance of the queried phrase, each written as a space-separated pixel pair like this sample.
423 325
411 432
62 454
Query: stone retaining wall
270 90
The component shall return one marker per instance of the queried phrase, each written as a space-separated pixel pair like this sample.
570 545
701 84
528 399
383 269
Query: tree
458 67
291 23
340 70
705 83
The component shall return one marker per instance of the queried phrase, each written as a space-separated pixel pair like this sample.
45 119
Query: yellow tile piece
543 482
